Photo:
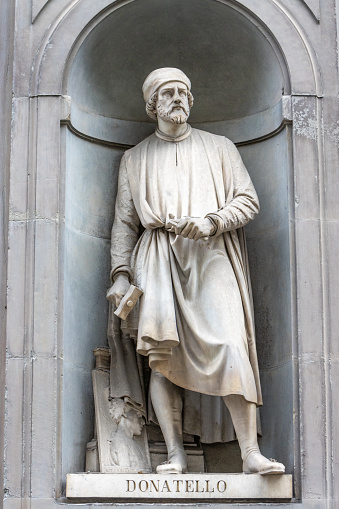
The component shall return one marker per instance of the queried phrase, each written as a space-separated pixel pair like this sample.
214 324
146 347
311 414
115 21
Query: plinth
185 486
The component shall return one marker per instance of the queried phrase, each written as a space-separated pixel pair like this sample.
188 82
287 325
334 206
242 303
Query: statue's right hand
119 289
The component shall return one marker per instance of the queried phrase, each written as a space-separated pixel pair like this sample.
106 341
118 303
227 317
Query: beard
173 115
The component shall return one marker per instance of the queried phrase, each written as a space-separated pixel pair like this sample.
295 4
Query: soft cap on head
161 76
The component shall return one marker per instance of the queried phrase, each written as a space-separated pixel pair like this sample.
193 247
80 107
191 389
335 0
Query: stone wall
73 71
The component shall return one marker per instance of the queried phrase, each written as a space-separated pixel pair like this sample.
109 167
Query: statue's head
167 93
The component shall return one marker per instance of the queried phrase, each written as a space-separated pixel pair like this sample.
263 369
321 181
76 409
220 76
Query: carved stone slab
104 426
192 486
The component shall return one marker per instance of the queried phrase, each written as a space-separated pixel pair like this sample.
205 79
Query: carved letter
197 487
177 481
207 488
189 487
165 486
219 488
154 485
128 486
146 486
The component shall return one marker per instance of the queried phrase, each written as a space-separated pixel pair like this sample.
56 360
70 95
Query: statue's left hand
192 227
119 289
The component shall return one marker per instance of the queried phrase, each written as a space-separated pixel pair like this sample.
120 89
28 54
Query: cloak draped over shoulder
195 319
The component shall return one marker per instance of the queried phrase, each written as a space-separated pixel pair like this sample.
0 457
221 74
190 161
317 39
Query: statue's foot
256 463
176 464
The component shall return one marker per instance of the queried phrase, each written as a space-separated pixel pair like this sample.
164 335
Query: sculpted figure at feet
192 194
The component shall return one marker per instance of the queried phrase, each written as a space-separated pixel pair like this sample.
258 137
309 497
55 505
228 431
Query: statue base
191 486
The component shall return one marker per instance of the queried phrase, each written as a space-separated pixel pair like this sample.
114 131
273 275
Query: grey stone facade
70 76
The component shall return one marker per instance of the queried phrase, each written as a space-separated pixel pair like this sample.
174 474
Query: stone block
12 503
19 156
334 373
312 424
48 157
14 428
16 288
44 406
309 291
42 503
173 487
331 233
331 143
306 170
45 287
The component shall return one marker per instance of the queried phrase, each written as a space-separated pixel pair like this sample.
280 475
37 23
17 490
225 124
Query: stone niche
240 85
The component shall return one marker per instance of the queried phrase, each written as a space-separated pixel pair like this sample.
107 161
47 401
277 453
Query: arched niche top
234 71
58 49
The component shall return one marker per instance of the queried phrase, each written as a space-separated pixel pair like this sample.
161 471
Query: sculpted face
134 422
172 103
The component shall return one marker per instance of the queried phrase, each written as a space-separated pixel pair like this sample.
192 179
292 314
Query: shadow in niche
237 80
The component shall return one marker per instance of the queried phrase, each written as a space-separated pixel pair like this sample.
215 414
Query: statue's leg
167 403
243 415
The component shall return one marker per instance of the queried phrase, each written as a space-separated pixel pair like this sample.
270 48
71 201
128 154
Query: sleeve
245 204
125 230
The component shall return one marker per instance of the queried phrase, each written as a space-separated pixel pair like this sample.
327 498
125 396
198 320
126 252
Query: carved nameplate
198 486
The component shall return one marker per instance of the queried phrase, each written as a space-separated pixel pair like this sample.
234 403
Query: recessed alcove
238 79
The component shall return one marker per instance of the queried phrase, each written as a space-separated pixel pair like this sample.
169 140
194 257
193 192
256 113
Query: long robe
195 319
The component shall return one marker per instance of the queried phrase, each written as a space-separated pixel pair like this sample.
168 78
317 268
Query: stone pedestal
188 486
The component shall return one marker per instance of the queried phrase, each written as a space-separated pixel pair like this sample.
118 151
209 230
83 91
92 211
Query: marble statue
191 194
